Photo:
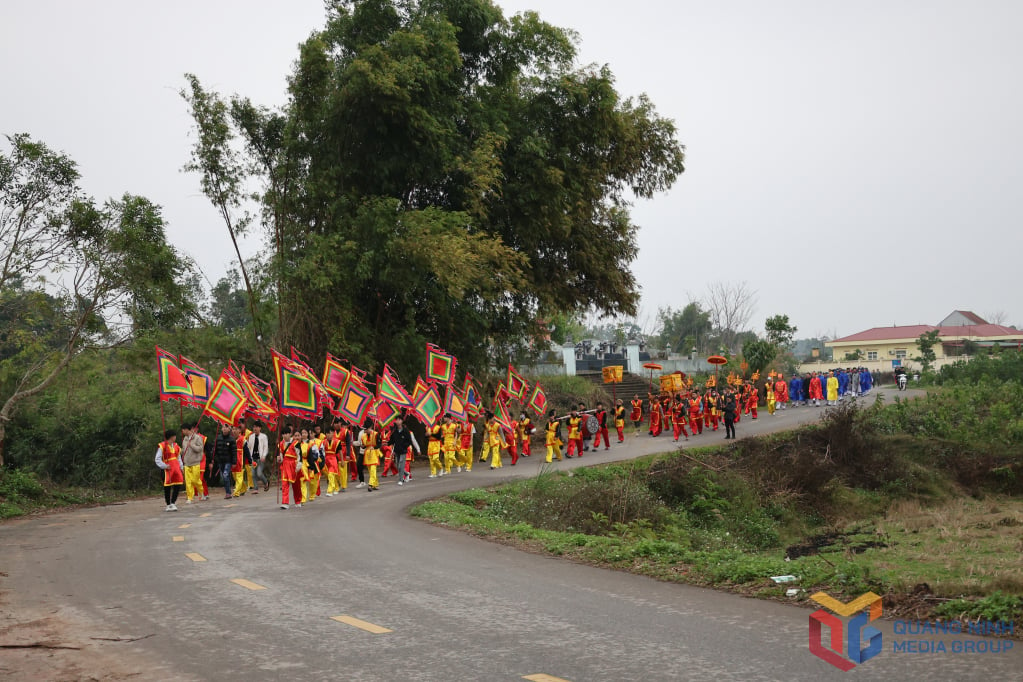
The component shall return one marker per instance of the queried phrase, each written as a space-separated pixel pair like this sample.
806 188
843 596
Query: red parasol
651 366
717 361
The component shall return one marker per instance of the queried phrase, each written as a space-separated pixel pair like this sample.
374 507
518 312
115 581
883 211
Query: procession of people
240 455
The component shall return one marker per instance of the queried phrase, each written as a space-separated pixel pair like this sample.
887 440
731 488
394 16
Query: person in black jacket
729 410
400 442
224 453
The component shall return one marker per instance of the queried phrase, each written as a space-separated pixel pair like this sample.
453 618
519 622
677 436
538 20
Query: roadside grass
22 493
930 526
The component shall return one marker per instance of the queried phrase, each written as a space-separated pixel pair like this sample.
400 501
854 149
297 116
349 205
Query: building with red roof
961 333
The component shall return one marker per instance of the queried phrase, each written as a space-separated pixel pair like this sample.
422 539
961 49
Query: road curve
118 583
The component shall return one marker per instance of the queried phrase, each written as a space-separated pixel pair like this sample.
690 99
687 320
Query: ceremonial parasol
717 361
651 366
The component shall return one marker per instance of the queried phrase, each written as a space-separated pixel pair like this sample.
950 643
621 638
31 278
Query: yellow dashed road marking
195 557
203 516
229 505
361 624
178 538
185 525
247 584
542 677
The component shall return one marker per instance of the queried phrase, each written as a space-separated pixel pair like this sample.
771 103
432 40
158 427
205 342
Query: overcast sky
859 164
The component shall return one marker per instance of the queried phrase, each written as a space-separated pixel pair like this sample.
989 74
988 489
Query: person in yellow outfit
238 466
495 440
433 450
620 420
485 447
465 432
308 458
319 442
832 389
551 439
371 458
193 444
448 436
250 464
331 447
526 429
769 395
575 438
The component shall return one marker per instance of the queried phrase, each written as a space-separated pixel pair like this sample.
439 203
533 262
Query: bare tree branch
731 306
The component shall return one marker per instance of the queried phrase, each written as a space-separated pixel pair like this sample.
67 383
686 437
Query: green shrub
995 607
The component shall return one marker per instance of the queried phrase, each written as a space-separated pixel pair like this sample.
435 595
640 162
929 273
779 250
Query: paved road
458 608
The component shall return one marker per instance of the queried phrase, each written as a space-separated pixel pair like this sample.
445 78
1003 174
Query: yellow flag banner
612 374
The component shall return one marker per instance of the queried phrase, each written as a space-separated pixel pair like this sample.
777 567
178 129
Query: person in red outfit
781 392
601 415
636 416
678 418
287 458
656 418
695 413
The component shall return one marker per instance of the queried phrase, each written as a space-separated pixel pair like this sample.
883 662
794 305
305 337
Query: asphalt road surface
351 588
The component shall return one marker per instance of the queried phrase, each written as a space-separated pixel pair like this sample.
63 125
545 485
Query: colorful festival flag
227 400
385 413
517 386
335 376
502 394
301 393
440 366
502 415
391 390
298 393
454 404
537 400
199 381
260 397
355 403
428 406
472 398
419 389
174 384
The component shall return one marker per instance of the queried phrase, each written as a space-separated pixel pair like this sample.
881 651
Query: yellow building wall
886 350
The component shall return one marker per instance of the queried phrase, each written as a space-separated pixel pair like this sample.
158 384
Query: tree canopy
75 274
440 173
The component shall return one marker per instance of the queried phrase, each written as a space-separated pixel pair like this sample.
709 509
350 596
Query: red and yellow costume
238 467
332 447
656 418
551 441
448 434
620 422
678 420
371 457
710 411
433 449
171 454
695 414
575 440
636 416
390 466
289 472
465 445
525 429
496 442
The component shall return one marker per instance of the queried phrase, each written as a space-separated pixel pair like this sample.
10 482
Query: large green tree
442 173
683 330
76 275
